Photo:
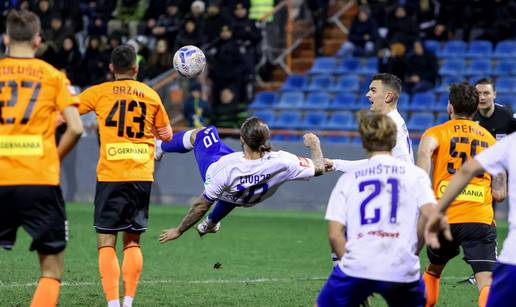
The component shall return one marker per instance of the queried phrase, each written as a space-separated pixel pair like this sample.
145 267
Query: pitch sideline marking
212 281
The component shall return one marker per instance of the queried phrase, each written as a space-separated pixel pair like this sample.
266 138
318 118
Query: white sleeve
494 159
299 167
213 185
345 165
337 207
424 186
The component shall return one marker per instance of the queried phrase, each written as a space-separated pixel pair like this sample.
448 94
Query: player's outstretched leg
181 142
212 223
49 284
109 268
131 266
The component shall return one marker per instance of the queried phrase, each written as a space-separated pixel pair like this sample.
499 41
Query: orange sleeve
88 100
65 93
161 119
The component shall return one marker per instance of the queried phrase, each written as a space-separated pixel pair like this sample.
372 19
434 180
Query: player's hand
328 165
436 225
169 235
311 140
60 120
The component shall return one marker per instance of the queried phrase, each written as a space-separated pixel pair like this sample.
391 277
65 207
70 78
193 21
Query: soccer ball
189 61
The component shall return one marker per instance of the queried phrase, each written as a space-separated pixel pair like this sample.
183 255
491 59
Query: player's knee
52 266
434 269
483 279
131 239
105 240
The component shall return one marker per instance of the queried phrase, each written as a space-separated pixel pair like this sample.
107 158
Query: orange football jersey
32 93
127 112
459 141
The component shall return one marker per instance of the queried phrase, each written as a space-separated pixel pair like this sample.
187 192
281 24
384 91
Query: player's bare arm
196 212
427 211
164 133
337 240
424 153
73 131
312 141
499 187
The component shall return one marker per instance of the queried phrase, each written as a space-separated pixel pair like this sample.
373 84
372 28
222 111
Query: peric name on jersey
36 72
252 179
467 129
380 169
128 90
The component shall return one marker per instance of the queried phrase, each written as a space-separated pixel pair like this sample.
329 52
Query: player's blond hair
378 131
22 26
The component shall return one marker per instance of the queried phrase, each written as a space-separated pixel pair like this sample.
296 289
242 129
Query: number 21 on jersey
365 217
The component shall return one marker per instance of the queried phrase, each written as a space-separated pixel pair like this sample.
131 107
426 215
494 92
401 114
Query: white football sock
114 303
128 301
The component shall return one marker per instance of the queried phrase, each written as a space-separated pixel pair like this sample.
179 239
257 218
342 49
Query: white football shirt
247 182
403 148
494 160
378 202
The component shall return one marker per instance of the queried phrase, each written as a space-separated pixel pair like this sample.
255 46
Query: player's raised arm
341 165
312 141
196 212
425 151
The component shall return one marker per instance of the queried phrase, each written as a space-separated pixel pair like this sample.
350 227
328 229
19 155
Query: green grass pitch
268 258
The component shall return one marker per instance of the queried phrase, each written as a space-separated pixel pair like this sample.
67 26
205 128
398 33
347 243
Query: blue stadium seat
263 100
432 45
442 103
452 49
505 67
324 65
286 120
422 102
316 100
320 83
370 67
350 65
505 49
356 140
480 49
340 121
266 115
506 85
447 81
290 100
505 99
442 117
420 121
348 83
452 67
479 68
295 83
344 101
403 101
313 120
363 102
335 139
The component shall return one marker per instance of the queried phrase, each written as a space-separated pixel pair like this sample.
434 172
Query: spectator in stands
56 33
319 10
225 63
189 35
94 67
102 9
402 28
426 15
213 22
393 60
156 9
127 16
160 60
69 58
97 26
439 33
248 37
363 34
422 70
44 12
71 14
197 14
196 110
168 24
47 52
228 111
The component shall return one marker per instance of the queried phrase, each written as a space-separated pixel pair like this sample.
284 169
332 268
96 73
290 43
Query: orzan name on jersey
379 170
128 90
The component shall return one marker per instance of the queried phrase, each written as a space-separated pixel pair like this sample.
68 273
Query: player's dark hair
464 99
123 58
390 81
486 81
378 131
256 134
22 26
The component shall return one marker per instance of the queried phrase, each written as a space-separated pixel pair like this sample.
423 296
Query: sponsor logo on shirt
127 151
471 192
303 162
21 145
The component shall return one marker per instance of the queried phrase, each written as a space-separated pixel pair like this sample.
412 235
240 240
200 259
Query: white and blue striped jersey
378 202
247 182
